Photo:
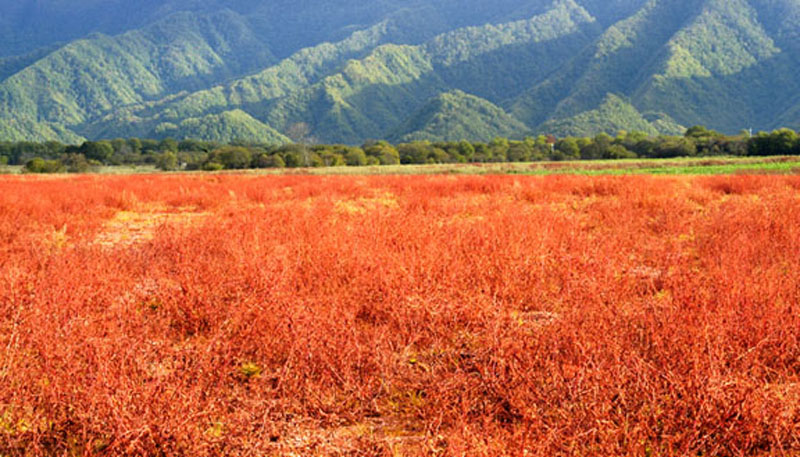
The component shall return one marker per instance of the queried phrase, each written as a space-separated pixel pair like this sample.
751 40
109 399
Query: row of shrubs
171 155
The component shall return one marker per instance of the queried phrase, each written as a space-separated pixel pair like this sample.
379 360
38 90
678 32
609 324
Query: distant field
248 315
689 166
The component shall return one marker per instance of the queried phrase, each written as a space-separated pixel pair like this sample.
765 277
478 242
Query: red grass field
371 316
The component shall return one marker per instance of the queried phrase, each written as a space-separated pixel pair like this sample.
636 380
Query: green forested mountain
613 115
222 127
455 116
406 70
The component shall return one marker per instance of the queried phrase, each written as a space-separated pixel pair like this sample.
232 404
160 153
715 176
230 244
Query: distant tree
192 160
100 151
700 132
483 153
168 145
355 157
265 160
149 146
796 149
384 152
466 150
167 161
566 149
231 157
416 152
54 148
541 149
300 134
499 147
520 151
39 165
668 147
120 146
78 163
779 142
596 148
213 166
328 157
135 145
194 146
618 151
438 155
707 141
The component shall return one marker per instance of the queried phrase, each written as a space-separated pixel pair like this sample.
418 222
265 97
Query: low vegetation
209 315
171 155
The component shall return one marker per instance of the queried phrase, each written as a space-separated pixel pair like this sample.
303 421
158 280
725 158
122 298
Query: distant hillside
226 126
434 69
455 116
613 115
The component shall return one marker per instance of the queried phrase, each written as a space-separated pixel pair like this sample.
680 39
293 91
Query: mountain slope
24 130
709 62
716 70
89 77
369 96
612 116
229 125
219 69
455 116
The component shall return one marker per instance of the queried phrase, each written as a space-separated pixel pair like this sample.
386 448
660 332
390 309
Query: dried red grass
539 316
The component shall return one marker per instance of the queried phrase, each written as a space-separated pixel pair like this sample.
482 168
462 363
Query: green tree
328 158
39 165
78 163
355 157
190 145
520 151
414 153
668 147
167 161
567 149
466 150
213 166
100 151
779 142
293 159
499 147
231 157
135 145
384 152
192 160
168 145
483 153
618 151
54 148
265 160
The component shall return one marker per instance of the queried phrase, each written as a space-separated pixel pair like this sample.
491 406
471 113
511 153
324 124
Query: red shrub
297 315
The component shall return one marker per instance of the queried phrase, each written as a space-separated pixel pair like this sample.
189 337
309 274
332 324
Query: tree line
172 155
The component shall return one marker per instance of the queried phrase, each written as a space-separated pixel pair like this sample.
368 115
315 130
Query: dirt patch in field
363 205
381 436
138 226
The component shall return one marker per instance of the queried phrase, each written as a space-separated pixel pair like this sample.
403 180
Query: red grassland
321 316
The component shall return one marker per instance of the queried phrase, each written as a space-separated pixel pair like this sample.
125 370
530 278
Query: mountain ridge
544 66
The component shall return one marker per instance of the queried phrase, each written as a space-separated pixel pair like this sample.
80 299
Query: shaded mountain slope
356 70
455 116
